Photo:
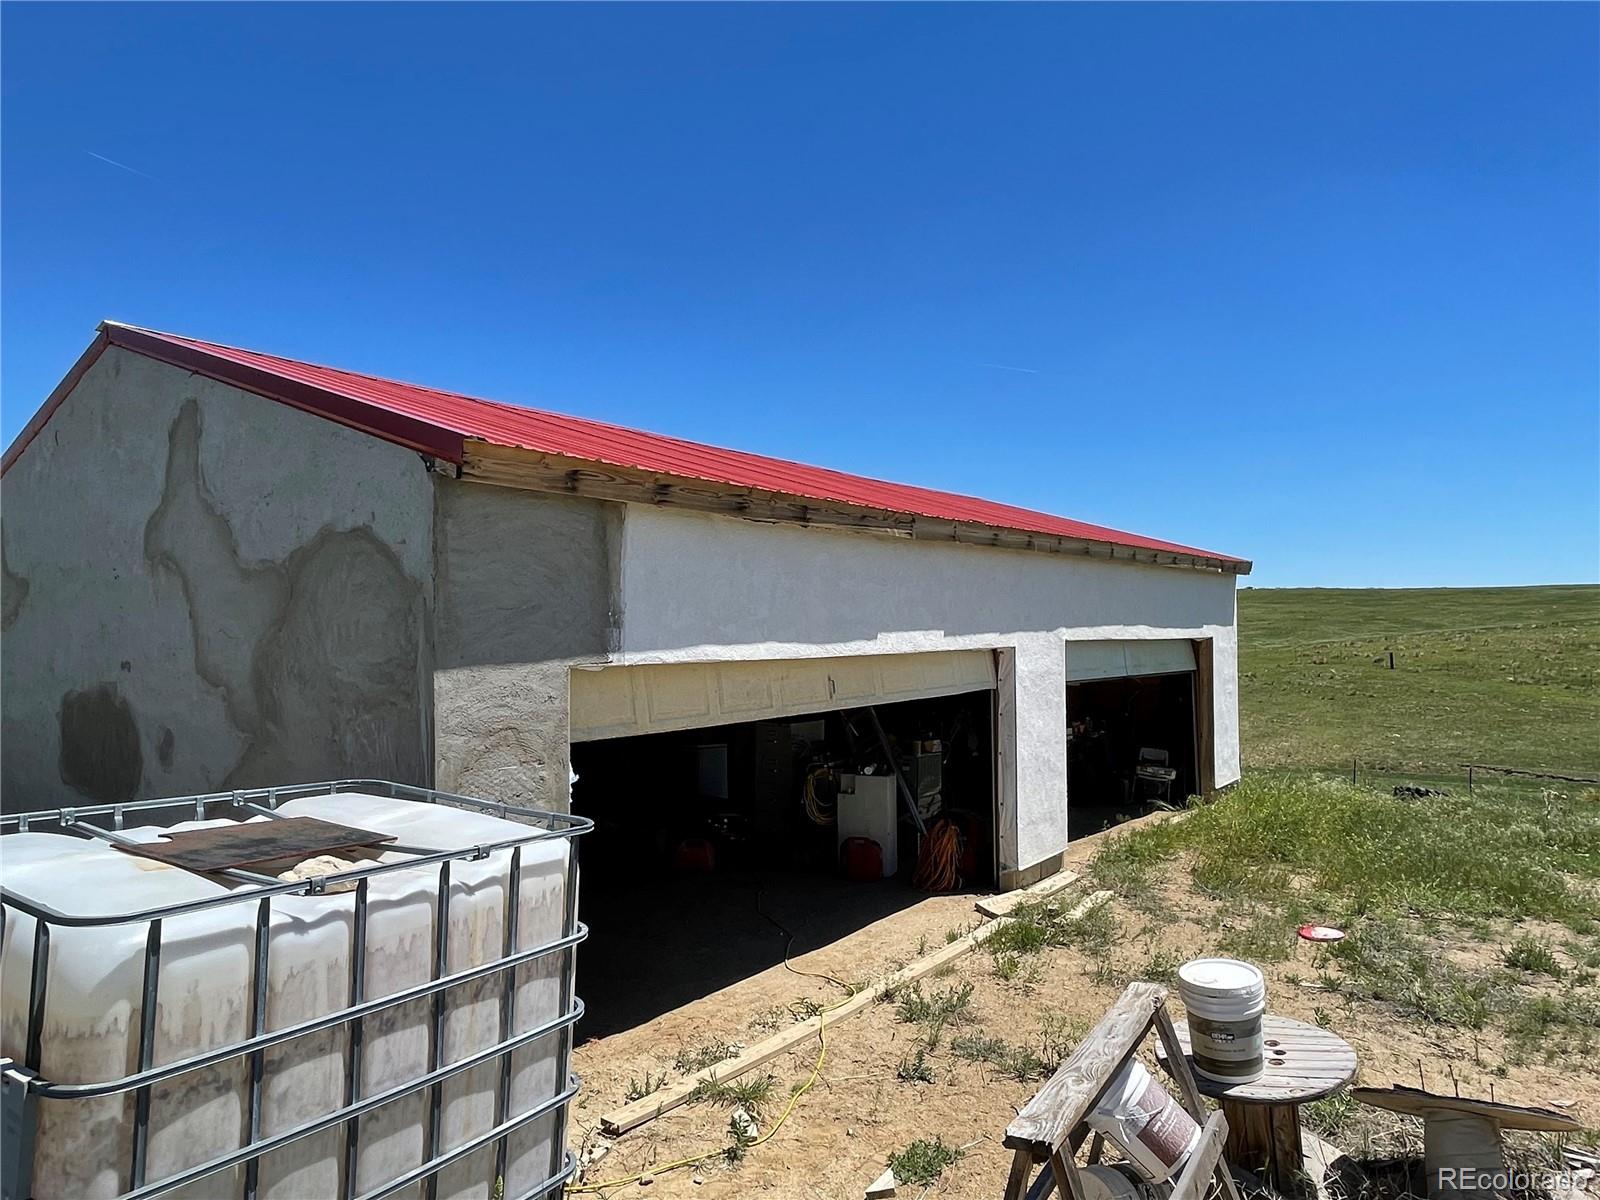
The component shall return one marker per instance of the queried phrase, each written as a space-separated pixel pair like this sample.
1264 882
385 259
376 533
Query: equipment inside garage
1130 748
713 845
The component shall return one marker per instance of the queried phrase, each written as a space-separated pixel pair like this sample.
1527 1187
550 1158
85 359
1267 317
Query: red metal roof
439 423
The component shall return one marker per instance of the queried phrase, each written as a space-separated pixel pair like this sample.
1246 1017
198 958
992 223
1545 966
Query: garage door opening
710 843
1130 749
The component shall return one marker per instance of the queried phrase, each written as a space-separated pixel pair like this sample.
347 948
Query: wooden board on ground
999 906
1402 1099
883 1185
630 1116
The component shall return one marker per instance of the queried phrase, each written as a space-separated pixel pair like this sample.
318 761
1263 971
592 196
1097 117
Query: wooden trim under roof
506 466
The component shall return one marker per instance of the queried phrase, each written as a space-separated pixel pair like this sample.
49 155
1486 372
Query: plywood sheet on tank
221 847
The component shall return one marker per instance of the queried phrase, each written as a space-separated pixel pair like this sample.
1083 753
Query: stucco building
225 569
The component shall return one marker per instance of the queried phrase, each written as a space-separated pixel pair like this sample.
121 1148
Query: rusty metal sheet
254 842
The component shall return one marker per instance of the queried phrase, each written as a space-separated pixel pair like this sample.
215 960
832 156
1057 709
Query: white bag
1141 1117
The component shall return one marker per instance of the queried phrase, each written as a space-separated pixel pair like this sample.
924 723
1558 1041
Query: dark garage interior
710 843
1125 736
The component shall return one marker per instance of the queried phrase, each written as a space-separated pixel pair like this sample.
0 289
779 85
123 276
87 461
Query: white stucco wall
704 588
205 588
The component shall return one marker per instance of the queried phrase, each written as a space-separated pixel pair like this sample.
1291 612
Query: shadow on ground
659 943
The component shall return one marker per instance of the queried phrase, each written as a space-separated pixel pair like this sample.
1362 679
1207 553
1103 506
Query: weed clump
1162 966
1566 1026
1529 954
1329 1115
1267 938
935 1010
639 1089
915 1068
1019 1062
741 1136
1384 961
1059 1035
1031 927
708 1054
1010 967
923 1161
751 1093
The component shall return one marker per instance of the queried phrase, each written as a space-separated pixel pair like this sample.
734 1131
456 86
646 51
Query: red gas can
695 855
863 859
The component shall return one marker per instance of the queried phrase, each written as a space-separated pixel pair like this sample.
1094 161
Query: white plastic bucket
1141 1117
1225 1000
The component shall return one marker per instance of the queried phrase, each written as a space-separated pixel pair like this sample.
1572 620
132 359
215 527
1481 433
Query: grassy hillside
1508 676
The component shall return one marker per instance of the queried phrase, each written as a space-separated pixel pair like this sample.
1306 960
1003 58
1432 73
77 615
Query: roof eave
558 474
421 436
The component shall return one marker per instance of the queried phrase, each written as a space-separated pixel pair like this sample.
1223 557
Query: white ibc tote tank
205 1001
91 1031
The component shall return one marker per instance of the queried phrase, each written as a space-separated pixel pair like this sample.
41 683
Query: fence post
1352 772
1469 780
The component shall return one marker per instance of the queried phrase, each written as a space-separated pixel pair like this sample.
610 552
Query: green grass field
1473 909
1505 676
1510 871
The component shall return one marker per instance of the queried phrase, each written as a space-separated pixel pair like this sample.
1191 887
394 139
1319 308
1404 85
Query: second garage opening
1131 731
713 844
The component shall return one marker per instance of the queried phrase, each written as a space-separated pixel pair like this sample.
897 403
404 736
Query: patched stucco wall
525 591
206 589
700 588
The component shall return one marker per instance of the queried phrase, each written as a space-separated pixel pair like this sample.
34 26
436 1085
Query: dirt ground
842 1132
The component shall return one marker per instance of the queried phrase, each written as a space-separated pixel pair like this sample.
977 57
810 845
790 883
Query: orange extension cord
939 860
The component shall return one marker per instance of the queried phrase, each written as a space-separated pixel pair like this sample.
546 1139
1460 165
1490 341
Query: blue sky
1316 285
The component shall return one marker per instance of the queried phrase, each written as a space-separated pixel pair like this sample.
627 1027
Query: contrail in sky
123 166
1003 367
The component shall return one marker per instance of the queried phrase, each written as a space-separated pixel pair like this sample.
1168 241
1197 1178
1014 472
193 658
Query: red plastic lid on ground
1321 933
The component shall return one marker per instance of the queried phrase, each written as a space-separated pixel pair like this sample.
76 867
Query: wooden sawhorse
1051 1127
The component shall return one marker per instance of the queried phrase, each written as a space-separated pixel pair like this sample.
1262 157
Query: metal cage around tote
22 1086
